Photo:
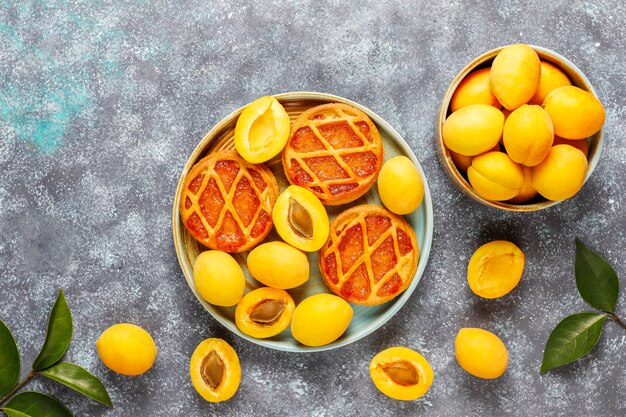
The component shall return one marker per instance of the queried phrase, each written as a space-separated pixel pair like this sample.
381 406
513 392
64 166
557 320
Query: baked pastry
335 151
227 203
370 256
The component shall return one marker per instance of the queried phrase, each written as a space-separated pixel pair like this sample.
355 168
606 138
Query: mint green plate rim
421 220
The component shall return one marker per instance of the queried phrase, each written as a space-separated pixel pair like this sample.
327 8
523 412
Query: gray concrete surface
101 102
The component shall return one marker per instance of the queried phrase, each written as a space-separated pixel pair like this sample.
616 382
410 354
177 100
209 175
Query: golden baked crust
227 203
335 151
371 255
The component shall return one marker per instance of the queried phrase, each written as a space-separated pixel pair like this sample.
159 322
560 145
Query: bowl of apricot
520 129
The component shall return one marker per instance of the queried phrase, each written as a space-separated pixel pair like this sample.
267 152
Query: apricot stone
528 135
515 74
561 174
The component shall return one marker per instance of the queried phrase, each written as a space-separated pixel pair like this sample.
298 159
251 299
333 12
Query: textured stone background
101 104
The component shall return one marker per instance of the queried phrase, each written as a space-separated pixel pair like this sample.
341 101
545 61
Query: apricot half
495 176
218 278
320 319
474 89
527 192
473 130
401 373
301 219
575 113
551 78
278 265
127 349
215 370
495 269
561 174
400 185
264 312
481 353
528 135
515 74
262 130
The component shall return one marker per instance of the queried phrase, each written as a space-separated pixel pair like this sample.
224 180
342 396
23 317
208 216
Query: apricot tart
370 256
335 151
227 203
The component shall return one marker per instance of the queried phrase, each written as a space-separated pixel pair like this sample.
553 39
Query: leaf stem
18 386
617 320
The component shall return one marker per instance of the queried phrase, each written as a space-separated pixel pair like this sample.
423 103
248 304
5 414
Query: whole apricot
215 370
561 174
481 353
528 135
278 265
495 176
474 89
514 75
575 113
401 373
400 185
320 319
581 144
551 78
462 162
495 269
473 130
264 312
127 349
218 278
527 192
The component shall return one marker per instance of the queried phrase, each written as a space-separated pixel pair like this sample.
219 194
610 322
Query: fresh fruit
300 219
528 135
473 130
551 78
481 353
463 162
264 312
474 89
320 319
215 370
561 174
127 349
218 278
527 192
278 265
400 185
515 74
495 176
401 373
581 144
495 269
262 130
575 113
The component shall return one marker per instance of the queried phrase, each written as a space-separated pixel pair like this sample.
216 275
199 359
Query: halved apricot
264 312
401 373
262 130
495 269
301 219
215 370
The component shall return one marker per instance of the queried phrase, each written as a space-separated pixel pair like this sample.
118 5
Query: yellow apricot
582 144
127 349
264 312
320 319
400 185
481 353
262 130
463 162
528 135
218 278
495 269
575 113
215 370
561 174
401 373
514 75
474 89
278 265
473 130
551 78
495 176
527 192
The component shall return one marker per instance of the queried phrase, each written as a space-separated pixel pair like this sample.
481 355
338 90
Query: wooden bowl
459 179
366 319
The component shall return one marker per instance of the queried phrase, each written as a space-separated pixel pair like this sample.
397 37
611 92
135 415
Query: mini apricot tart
335 151
264 312
370 256
227 203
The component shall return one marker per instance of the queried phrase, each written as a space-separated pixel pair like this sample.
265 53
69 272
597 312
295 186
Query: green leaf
35 404
58 337
9 361
78 379
572 339
595 278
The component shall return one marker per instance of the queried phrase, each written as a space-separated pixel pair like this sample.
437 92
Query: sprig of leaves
48 364
576 335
